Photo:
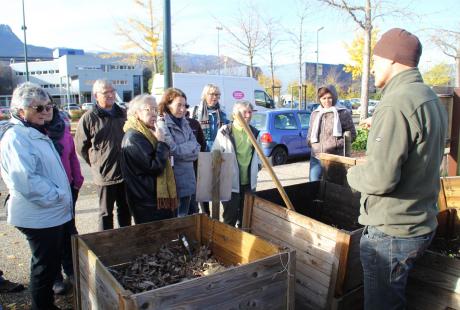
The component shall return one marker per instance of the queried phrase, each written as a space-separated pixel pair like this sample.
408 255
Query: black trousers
233 209
69 230
45 245
108 195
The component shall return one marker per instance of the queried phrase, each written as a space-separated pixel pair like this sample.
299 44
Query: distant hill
12 47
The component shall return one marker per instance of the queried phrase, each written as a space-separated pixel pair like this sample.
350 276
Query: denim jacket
40 195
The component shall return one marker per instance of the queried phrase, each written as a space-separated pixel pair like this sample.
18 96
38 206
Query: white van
232 88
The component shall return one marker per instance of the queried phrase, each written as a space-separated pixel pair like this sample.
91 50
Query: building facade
69 77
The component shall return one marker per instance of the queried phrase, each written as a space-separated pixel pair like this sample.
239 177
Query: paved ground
14 251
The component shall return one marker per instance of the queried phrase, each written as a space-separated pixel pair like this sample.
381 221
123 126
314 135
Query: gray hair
99 85
207 89
242 103
138 102
26 94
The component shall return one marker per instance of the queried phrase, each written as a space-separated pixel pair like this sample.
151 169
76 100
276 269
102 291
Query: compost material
446 247
174 262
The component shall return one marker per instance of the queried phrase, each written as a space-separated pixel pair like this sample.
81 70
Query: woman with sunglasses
40 203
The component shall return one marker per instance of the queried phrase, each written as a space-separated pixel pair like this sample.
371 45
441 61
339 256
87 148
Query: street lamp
317 55
219 28
24 28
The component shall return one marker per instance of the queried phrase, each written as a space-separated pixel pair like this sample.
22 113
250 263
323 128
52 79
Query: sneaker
59 287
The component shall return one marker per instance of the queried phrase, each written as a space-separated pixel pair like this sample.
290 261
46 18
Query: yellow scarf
166 184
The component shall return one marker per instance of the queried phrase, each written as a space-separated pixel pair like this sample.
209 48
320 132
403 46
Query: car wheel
279 156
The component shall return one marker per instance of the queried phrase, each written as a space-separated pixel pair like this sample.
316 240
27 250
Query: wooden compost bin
325 234
263 276
434 283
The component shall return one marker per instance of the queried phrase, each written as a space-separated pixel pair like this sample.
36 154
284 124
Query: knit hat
399 45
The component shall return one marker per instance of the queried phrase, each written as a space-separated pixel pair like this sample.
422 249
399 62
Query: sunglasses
40 108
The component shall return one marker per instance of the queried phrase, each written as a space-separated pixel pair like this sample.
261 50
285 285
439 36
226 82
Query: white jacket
225 142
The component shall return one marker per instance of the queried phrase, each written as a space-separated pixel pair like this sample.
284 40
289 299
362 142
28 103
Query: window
57 71
304 120
45 72
259 96
285 121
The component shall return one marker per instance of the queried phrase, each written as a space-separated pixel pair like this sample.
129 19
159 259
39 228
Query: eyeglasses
40 108
107 92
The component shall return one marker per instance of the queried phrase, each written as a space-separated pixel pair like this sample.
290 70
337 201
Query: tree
6 80
355 51
247 33
364 16
297 36
272 43
438 75
269 83
142 35
449 43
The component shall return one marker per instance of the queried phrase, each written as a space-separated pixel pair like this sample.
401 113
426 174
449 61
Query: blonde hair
208 89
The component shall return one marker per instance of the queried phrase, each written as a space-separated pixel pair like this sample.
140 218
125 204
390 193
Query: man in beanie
399 183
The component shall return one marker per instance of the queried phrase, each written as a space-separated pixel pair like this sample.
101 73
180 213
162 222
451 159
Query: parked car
283 133
72 110
346 103
370 106
5 113
87 106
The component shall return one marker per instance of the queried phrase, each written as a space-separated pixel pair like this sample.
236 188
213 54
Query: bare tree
364 16
247 33
272 42
449 43
297 37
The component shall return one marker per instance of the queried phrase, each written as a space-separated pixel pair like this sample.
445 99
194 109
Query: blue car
283 133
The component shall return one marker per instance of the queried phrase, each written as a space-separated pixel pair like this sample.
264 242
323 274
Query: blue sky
90 24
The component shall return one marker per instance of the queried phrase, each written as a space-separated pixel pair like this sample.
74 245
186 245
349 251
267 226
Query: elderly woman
209 114
182 141
145 165
211 118
327 125
233 139
40 203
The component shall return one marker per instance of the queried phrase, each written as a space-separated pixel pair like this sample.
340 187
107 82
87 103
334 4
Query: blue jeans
184 206
386 264
315 169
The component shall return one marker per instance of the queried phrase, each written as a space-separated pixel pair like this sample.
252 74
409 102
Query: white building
70 76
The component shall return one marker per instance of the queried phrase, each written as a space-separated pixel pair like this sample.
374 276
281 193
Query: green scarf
166 184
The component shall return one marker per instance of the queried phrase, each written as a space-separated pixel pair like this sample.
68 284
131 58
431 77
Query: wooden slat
293 230
247 212
337 159
442 203
341 256
352 300
451 187
101 288
318 258
243 244
313 225
76 272
354 277
258 285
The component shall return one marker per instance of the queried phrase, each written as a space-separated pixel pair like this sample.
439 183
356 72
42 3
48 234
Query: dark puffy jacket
140 165
98 142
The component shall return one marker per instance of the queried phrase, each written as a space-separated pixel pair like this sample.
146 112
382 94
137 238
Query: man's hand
366 123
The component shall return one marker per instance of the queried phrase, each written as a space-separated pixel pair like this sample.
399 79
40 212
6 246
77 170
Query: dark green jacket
399 183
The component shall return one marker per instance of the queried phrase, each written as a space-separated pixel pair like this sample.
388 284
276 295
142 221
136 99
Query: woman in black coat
147 172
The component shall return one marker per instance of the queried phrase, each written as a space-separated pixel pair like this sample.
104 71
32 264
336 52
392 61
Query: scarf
40 128
336 128
55 130
166 184
203 115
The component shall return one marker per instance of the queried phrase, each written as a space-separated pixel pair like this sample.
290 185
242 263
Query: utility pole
219 28
167 54
317 57
24 28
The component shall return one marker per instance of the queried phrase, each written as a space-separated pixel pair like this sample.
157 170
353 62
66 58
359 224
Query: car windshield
259 120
